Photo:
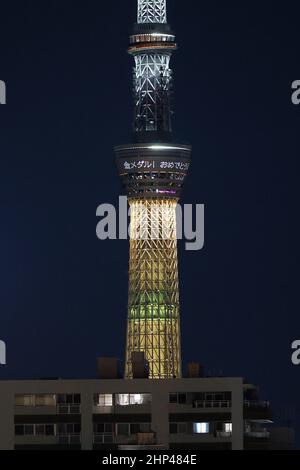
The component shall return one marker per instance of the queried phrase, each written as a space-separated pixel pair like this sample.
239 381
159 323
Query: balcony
68 409
122 403
69 439
35 410
39 440
47 404
212 404
257 410
215 437
261 434
256 404
224 434
257 439
139 439
103 438
48 410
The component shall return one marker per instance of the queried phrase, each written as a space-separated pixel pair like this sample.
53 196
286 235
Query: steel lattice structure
152 81
153 306
153 170
152 11
152 46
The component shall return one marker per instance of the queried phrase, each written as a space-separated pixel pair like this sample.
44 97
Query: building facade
199 414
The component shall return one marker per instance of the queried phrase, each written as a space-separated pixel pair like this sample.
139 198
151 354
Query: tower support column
153 302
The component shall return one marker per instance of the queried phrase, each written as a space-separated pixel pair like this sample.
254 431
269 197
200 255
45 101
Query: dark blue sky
63 293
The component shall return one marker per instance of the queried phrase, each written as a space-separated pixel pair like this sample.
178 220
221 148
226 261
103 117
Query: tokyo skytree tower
153 169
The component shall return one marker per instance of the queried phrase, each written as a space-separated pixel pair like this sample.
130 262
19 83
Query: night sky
63 293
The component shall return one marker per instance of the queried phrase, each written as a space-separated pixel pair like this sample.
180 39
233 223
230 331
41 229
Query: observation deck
153 170
159 42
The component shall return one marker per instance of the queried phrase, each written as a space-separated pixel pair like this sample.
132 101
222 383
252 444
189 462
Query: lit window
125 399
201 428
24 400
228 427
122 399
45 400
35 400
105 400
136 399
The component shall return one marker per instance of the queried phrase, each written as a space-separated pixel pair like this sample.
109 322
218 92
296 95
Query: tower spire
152 45
153 170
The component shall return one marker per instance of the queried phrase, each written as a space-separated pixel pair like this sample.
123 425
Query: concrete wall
7 428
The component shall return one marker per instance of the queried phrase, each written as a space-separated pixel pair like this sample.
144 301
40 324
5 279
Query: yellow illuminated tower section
153 169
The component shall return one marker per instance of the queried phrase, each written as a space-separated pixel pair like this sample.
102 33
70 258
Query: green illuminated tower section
153 169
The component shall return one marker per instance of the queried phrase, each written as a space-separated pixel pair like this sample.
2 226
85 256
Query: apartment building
189 413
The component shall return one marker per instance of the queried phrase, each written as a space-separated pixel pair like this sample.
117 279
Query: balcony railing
103 438
256 404
258 434
223 434
69 439
68 409
134 439
212 404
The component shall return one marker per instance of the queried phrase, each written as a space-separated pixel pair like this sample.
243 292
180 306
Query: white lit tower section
152 11
153 169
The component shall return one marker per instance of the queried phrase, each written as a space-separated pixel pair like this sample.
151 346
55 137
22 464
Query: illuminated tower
153 170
